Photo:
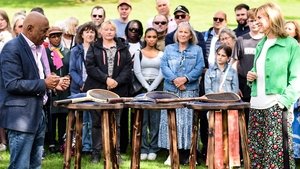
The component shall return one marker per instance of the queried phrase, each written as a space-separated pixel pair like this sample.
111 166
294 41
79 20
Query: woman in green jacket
274 82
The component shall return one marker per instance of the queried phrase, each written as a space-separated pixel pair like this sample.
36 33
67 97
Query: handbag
136 87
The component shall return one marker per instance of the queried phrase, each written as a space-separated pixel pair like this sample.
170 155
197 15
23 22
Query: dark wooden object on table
109 132
212 107
138 108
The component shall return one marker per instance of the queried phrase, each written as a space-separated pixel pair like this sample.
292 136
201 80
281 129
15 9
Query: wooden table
138 108
212 107
109 132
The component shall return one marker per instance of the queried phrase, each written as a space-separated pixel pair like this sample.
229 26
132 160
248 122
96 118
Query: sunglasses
158 22
180 16
133 30
220 19
99 16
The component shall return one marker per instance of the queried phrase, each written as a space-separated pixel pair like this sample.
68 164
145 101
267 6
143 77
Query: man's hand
52 81
64 83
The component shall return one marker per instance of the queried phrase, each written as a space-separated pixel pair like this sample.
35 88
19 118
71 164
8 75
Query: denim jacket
188 63
212 80
76 60
282 70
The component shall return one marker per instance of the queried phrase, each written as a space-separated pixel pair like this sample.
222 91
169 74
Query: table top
151 105
93 106
218 106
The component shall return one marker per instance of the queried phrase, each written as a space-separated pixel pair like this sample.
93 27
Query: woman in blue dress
181 65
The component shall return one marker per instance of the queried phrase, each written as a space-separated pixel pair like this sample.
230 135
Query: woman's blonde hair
71 26
108 22
15 21
276 20
193 40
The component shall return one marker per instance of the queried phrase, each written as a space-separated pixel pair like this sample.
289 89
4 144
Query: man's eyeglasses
220 19
99 16
158 22
180 16
133 30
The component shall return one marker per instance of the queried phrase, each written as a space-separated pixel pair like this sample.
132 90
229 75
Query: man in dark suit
22 93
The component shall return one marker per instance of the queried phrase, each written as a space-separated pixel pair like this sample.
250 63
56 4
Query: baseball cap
181 8
127 2
54 29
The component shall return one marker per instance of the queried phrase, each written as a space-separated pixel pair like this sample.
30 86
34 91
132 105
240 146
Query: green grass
201 11
54 161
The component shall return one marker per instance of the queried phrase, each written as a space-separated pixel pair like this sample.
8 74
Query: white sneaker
168 161
144 156
2 147
151 156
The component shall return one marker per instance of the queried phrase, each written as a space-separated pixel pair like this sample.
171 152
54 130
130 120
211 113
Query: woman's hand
179 81
182 87
251 76
111 83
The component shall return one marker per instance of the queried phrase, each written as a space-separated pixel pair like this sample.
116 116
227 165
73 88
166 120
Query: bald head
35 27
163 7
221 14
219 21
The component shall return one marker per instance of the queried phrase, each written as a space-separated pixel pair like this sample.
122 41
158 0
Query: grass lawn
201 12
54 161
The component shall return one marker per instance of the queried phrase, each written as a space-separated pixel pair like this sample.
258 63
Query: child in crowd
221 77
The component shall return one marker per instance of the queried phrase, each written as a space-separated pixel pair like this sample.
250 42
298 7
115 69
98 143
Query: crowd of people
41 63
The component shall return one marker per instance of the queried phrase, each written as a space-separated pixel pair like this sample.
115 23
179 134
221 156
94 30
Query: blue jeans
87 132
26 149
